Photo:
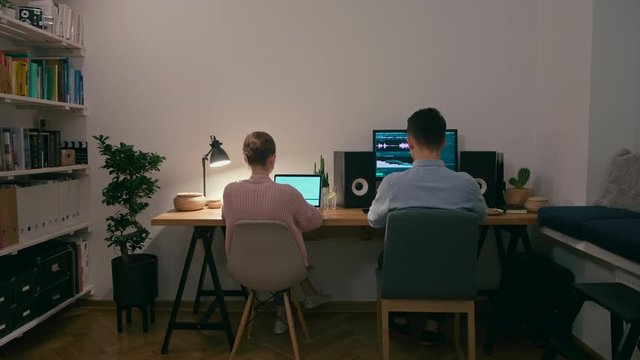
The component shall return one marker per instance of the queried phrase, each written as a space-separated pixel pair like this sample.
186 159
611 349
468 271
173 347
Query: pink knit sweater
259 198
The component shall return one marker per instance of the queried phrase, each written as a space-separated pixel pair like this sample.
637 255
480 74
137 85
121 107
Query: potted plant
518 194
327 195
135 276
7 8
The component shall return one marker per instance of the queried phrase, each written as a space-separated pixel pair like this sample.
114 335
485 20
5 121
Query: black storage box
6 322
6 295
53 261
23 313
54 295
24 286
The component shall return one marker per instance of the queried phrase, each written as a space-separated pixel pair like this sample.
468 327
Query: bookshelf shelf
48 236
36 38
28 326
41 104
47 170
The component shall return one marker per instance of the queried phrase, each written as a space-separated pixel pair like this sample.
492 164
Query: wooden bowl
536 202
214 204
189 201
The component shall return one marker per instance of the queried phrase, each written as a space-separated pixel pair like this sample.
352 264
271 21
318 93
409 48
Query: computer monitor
392 151
310 186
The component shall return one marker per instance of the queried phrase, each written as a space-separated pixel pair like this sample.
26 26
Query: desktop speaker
354 175
487 167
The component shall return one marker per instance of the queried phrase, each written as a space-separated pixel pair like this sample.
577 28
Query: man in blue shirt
429 184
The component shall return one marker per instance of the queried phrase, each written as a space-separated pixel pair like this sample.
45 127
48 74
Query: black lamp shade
218 157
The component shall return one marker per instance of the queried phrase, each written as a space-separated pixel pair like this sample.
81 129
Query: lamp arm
204 175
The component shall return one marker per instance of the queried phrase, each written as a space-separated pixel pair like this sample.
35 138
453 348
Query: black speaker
487 167
354 175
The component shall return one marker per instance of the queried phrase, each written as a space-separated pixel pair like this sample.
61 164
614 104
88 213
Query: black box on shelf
53 261
54 295
31 16
6 294
6 322
24 286
23 313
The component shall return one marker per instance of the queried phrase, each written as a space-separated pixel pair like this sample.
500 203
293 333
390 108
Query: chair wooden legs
252 311
471 332
379 325
292 329
249 311
243 322
452 306
384 330
303 324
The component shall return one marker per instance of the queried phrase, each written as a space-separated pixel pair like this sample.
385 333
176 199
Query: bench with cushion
612 229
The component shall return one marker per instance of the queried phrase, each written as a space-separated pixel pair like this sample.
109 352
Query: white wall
319 76
615 88
561 126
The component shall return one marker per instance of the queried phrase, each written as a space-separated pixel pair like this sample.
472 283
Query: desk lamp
216 156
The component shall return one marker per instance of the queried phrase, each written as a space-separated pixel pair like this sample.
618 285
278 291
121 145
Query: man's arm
479 204
379 209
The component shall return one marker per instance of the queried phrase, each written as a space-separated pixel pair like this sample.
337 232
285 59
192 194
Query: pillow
622 189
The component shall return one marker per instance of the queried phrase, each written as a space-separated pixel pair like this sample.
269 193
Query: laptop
310 186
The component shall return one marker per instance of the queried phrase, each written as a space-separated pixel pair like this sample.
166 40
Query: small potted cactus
518 194
320 171
327 196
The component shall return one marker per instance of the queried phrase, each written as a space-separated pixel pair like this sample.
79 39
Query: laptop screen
308 185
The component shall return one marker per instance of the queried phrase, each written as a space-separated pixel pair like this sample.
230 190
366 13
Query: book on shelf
7 150
47 78
33 148
81 261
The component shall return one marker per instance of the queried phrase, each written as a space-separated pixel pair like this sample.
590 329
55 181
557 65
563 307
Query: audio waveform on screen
402 145
392 164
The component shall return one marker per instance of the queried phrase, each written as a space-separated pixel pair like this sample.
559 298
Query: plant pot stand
135 285
148 315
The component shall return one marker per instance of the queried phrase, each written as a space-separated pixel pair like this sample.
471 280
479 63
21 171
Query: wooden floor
89 332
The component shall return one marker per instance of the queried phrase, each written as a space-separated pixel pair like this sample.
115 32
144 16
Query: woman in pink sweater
259 198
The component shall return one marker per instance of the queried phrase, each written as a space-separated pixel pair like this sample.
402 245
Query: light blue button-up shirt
427 184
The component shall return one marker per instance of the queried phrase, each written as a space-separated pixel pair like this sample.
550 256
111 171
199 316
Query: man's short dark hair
427 126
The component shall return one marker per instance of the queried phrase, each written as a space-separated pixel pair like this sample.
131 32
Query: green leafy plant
129 189
523 177
6 4
320 171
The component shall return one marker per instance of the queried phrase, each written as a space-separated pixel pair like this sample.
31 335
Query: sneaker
432 338
311 302
280 327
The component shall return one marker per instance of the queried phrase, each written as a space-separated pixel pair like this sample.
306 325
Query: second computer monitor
392 151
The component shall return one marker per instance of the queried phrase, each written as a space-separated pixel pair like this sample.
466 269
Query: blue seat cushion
569 220
620 236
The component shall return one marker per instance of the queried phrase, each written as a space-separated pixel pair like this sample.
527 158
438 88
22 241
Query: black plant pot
135 283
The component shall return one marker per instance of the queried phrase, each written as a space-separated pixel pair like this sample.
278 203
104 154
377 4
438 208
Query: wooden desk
332 218
338 223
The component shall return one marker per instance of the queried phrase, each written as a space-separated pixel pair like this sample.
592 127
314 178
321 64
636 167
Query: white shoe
311 302
280 327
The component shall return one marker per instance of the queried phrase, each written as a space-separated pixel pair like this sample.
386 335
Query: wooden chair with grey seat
429 265
264 257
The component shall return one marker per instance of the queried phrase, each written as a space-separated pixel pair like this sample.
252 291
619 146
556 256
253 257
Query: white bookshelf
48 170
26 102
28 326
66 230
